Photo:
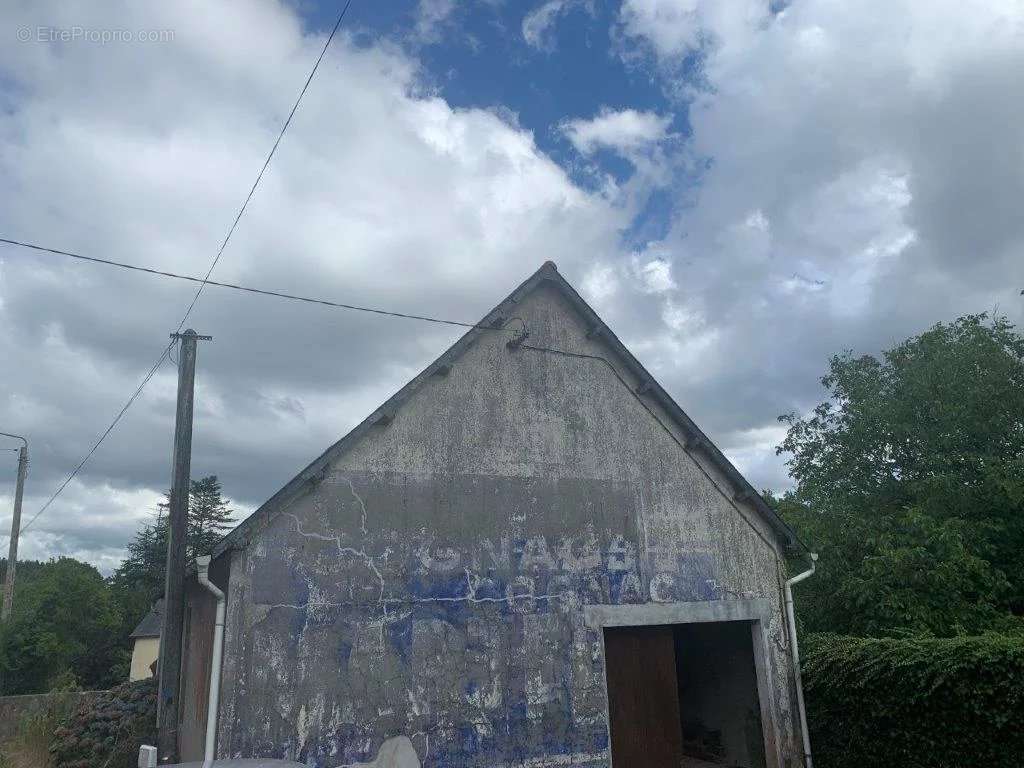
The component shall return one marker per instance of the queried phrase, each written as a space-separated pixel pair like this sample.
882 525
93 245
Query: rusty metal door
643 697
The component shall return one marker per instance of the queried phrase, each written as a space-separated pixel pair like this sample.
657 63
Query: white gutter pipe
791 621
203 572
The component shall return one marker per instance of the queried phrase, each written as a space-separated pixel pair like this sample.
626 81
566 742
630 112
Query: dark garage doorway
684 695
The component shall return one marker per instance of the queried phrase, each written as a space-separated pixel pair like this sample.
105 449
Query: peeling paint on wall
429 591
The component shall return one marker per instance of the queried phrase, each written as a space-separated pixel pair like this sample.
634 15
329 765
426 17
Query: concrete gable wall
431 585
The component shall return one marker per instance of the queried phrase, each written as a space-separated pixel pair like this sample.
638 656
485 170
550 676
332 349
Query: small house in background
146 644
528 556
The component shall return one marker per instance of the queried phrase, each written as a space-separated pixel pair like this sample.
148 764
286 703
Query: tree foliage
64 630
70 626
143 570
915 702
910 483
209 516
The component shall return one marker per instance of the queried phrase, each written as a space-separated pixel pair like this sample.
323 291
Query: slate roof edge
150 625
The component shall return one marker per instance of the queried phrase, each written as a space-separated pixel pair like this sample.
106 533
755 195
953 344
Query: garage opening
684 695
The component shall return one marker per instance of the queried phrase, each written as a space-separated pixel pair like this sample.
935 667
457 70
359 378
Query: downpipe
795 650
203 573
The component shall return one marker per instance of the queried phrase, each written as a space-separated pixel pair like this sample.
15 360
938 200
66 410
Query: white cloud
857 187
539 24
380 193
849 179
431 16
626 131
654 274
671 26
674 28
600 283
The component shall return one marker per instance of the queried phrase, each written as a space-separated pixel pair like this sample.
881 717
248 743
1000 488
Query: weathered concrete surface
432 584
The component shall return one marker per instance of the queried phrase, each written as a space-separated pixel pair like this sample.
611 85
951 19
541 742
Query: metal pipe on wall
213 701
795 650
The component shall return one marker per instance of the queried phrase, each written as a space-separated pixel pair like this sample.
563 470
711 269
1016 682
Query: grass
30 748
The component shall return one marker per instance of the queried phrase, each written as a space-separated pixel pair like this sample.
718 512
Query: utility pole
174 597
12 556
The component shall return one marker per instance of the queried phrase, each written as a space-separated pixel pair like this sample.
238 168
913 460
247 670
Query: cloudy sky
741 188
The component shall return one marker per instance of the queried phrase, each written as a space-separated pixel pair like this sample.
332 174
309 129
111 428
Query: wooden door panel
643 697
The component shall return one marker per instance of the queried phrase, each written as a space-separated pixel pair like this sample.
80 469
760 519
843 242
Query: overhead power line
246 289
75 471
213 264
259 176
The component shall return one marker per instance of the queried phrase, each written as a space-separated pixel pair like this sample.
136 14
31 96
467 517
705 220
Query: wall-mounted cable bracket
516 341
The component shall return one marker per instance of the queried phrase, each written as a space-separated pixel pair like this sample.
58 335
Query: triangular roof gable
151 623
496 319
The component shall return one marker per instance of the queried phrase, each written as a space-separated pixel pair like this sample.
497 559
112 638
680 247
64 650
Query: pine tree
140 577
143 568
209 516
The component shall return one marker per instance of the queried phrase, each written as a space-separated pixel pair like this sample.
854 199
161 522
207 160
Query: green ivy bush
105 732
915 702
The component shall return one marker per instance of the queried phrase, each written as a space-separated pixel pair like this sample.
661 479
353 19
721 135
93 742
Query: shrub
106 731
915 702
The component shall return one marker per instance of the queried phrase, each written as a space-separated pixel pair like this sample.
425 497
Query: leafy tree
910 482
71 626
28 570
65 620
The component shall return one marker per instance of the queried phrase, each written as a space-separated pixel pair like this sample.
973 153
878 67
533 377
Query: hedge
106 731
915 703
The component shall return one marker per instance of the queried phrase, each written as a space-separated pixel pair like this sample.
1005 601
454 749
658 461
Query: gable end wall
432 584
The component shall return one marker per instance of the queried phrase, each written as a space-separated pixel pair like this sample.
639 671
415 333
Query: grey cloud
866 151
873 150
380 195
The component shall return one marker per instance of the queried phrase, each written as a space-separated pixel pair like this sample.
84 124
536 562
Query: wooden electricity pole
174 590
12 557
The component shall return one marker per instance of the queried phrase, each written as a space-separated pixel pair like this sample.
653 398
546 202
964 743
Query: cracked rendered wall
431 585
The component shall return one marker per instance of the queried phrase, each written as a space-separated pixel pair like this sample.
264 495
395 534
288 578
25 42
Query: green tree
65 620
209 515
144 564
910 482
139 580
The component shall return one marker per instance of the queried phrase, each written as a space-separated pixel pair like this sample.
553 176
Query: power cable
266 162
260 291
213 265
75 471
